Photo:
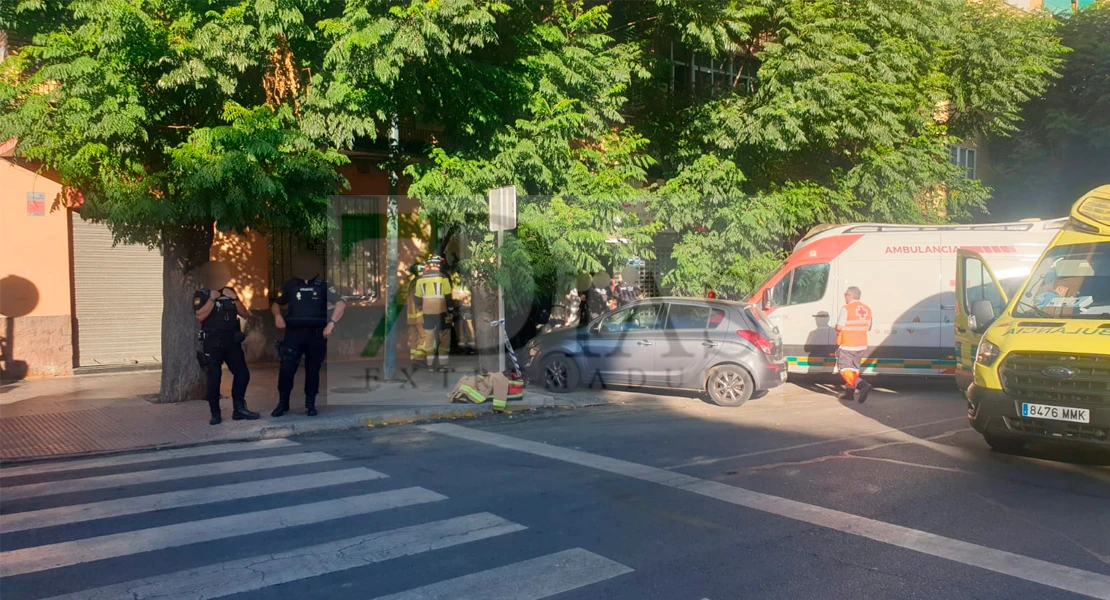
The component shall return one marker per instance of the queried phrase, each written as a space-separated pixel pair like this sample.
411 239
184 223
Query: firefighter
432 291
415 320
851 339
307 328
464 314
217 308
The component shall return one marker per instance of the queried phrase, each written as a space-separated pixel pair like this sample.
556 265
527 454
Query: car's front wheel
560 374
729 385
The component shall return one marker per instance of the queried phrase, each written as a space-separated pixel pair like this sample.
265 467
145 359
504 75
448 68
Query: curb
397 416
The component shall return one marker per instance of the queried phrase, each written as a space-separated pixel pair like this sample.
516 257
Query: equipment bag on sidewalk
471 389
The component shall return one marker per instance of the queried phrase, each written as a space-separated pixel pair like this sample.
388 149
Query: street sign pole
502 216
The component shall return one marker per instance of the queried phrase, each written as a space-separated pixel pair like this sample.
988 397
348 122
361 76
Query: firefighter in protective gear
851 339
415 319
433 289
464 314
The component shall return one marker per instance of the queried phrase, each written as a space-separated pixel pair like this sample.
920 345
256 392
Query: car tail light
758 341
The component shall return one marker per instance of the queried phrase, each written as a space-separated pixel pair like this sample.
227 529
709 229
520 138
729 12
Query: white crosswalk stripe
63 554
527 580
258 572
533 579
158 475
134 459
62 515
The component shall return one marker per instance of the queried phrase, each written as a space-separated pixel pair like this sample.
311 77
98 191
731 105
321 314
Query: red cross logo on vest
861 312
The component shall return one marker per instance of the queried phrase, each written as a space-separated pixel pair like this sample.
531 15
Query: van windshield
1070 282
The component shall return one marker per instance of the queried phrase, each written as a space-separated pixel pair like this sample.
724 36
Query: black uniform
222 343
597 302
626 292
304 335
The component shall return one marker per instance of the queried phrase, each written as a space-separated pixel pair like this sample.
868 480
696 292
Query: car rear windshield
761 322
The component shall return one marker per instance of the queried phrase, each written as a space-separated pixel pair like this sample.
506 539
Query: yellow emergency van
1042 358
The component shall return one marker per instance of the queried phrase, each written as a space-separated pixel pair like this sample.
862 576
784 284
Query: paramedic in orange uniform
851 340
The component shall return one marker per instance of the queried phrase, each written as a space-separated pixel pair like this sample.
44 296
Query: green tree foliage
841 124
556 83
1062 148
170 117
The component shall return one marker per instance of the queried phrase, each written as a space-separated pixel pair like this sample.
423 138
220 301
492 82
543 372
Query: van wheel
729 385
560 374
1004 445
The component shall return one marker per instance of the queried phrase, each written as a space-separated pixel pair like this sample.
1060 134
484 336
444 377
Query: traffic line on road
86 484
709 461
260 572
1062 577
64 554
526 580
79 513
154 456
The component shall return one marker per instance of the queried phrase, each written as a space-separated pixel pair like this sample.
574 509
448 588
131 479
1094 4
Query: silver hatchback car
727 349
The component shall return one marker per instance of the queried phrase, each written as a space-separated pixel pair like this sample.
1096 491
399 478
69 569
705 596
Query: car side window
642 317
688 316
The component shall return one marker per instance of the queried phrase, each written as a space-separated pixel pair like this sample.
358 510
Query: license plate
1056 413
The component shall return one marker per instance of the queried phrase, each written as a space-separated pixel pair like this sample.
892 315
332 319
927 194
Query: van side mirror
766 304
982 311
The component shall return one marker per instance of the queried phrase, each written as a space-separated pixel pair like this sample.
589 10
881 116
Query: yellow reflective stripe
473 393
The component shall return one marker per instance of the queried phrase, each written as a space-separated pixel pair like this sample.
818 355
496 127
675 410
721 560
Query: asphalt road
793 495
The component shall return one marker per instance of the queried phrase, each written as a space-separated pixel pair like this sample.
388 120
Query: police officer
625 291
598 297
433 289
217 308
307 329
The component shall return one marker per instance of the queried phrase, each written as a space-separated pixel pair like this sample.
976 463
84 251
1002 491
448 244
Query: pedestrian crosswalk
86 513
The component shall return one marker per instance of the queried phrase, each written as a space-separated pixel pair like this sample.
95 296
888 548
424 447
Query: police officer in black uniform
218 308
627 292
307 329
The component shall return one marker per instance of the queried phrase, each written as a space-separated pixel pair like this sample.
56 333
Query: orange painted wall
248 257
36 321
34 248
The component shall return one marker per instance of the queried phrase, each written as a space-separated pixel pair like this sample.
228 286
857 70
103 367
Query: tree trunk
485 310
182 252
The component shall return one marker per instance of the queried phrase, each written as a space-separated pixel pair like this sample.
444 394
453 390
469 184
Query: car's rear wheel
560 374
729 385
1003 444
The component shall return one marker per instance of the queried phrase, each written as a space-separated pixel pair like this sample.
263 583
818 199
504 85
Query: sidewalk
104 413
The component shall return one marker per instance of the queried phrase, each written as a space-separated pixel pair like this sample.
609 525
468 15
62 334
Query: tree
169 118
548 120
1062 147
842 122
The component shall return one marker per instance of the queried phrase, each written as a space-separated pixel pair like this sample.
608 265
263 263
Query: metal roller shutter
118 292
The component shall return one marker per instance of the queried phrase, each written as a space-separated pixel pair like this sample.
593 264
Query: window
980 286
963 156
643 317
810 282
699 72
802 285
689 316
1070 281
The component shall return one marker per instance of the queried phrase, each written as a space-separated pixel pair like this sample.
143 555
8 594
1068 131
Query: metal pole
501 291
389 365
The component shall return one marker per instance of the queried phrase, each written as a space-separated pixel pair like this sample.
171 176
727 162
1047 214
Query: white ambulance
907 274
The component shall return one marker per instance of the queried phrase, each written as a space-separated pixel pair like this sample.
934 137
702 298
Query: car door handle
645 343
821 314
709 344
